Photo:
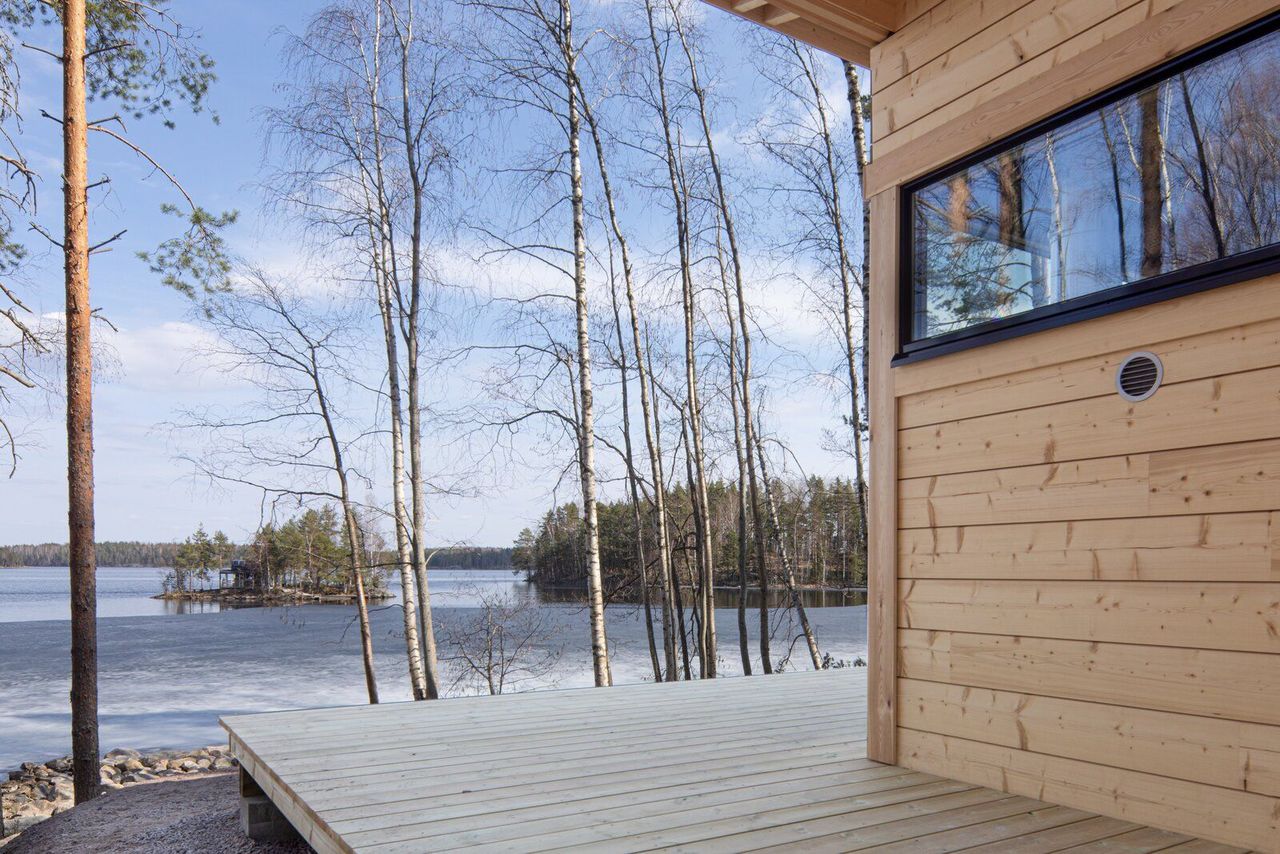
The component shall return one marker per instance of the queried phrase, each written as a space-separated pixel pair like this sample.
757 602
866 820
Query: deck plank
1140 841
772 763
1089 830
526 820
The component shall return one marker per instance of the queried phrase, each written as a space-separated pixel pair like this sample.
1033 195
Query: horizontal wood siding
1224 547
1088 589
1084 63
1208 683
1245 818
1230 754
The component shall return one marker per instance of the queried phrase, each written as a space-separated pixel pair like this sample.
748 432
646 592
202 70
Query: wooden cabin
242 576
1075 397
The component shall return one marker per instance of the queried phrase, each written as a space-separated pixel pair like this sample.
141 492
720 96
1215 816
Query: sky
149 370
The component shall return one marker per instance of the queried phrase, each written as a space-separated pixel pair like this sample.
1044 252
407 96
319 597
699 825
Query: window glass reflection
1179 174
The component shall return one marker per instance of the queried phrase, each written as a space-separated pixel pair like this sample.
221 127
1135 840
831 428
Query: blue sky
149 372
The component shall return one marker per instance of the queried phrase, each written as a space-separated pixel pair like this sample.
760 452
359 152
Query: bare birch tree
633 481
788 568
508 644
368 135
24 344
535 63
672 157
862 155
294 442
740 452
801 139
662 545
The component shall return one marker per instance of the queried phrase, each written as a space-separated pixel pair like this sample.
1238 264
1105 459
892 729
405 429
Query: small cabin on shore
1075 397
242 576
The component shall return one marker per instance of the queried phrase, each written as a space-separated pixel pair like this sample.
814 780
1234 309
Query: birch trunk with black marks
412 333
744 642
663 545
354 539
586 427
680 194
385 275
633 488
861 153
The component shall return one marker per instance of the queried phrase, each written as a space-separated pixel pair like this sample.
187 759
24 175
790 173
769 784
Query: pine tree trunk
1152 155
84 601
586 430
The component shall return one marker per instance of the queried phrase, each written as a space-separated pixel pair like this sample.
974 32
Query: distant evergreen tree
199 556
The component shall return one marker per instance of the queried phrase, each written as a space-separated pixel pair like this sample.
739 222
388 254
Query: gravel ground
166 817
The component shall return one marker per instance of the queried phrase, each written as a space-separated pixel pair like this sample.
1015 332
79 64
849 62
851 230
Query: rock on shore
36 791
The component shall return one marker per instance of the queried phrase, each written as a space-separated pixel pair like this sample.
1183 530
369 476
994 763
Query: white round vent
1139 376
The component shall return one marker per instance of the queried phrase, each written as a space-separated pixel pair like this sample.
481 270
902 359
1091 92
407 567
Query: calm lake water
168 670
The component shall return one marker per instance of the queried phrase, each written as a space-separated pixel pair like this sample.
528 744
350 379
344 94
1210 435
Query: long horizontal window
1152 187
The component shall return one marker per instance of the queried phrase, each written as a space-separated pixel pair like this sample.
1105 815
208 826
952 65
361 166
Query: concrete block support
259 818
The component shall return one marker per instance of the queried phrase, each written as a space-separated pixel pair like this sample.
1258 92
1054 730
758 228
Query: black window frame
1176 283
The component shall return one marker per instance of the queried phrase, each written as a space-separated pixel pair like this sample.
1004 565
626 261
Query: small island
303 560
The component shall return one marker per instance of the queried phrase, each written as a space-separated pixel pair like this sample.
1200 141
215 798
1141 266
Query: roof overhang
846 28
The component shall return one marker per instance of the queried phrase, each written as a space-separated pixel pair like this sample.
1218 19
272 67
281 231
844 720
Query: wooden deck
772 762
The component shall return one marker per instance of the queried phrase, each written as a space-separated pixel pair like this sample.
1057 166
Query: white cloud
169 357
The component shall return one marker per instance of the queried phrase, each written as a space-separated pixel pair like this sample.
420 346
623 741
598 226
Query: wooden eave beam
777 17
830 14
871 21
846 28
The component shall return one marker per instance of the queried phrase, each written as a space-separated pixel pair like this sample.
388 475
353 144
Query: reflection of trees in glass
1059 225
1151 153
986 239
1244 151
1207 192
1118 195
1184 172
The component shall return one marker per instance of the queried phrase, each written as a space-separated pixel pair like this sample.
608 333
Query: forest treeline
110 553
134 553
819 519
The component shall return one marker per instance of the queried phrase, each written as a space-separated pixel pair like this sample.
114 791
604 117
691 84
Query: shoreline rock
35 791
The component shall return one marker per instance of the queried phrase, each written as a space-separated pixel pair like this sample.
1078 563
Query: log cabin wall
1087 601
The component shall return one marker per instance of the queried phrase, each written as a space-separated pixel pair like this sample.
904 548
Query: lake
168 670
